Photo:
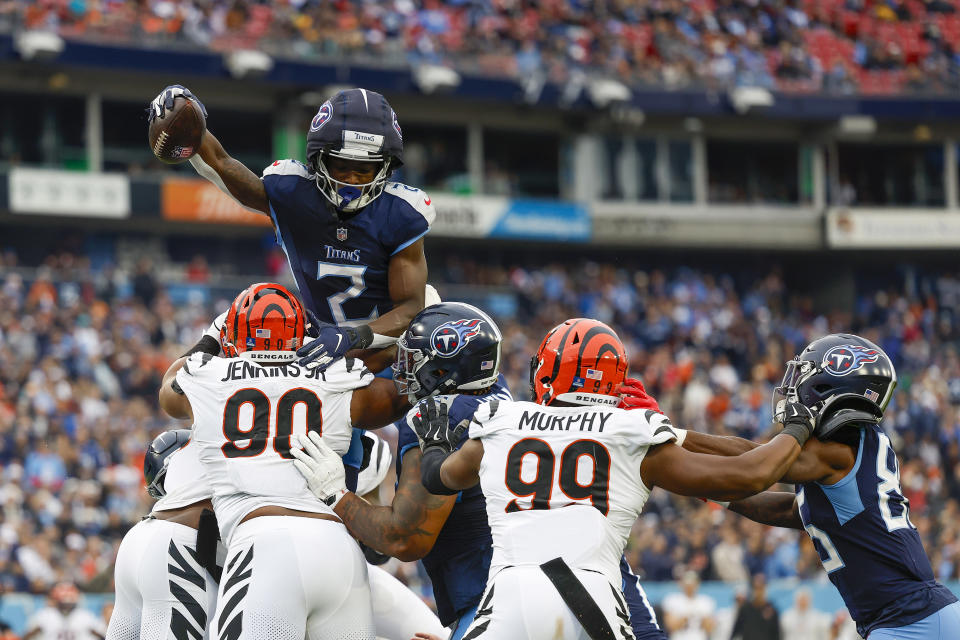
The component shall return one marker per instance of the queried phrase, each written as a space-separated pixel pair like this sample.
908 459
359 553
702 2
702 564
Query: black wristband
206 345
430 464
801 433
364 337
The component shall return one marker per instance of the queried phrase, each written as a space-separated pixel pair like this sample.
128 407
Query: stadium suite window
752 172
518 163
247 136
889 175
627 169
42 130
434 158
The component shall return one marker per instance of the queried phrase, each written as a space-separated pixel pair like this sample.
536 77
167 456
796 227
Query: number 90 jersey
245 415
563 481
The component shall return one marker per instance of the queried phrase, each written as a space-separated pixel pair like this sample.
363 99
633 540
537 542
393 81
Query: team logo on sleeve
843 359
451 337
326 109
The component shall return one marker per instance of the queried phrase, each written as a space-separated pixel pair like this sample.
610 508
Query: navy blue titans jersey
460 558
340 265
871 551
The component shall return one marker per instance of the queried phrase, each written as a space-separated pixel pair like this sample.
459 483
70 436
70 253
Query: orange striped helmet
581 361
265 323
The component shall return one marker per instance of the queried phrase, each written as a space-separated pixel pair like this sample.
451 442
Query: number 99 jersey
245 415
563 481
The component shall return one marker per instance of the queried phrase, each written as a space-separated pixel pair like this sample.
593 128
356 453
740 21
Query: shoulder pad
288 168
416 198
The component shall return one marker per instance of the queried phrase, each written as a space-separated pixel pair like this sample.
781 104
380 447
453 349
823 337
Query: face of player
352 171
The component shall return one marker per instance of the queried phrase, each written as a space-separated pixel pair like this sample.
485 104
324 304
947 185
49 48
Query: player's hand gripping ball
177 122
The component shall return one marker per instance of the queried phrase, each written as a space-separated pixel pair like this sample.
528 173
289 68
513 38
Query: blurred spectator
672 44
757 619
62 618
802 621
689 615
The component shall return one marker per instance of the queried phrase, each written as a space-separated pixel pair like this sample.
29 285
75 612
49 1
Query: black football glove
166 99
798 421
432 426
330 342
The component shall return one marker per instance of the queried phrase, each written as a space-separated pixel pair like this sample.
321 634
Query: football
176 135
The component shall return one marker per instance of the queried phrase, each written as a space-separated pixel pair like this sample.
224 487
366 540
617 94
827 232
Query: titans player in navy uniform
450 348
353 239
848 495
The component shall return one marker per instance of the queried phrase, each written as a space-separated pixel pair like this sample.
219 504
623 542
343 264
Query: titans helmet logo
843 359
451 337
322 116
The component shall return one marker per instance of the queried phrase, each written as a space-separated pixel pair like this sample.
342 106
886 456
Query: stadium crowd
840 46
82 351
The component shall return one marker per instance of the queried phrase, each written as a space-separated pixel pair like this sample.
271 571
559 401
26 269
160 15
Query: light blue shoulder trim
844 495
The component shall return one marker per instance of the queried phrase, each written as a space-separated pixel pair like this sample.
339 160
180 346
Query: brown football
176 136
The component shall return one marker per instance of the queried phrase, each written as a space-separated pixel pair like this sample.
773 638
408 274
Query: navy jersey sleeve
411 215
281 181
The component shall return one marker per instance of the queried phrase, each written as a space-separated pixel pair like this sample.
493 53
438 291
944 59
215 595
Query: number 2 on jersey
258 432
541 486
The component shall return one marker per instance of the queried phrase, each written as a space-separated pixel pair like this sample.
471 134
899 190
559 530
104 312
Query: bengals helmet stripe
587 364
265 322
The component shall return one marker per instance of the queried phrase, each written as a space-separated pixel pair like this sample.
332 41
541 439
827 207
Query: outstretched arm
230 175
818 460
775 508
717 477
408 528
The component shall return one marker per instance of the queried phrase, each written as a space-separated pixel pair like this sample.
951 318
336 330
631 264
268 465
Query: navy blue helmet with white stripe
157 459
355 125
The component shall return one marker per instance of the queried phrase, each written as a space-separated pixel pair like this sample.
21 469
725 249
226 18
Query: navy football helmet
157 459
842 378
448 347
356 125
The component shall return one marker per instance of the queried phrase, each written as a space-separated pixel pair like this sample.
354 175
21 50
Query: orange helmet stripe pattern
265 321
581 361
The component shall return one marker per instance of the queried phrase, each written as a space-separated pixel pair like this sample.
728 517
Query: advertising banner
520 219
192 200
68 193
892 229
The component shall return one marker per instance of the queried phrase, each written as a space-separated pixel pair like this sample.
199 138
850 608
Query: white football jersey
185 482
245 415
563 481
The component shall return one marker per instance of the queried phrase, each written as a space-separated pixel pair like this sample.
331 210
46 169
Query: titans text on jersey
340 262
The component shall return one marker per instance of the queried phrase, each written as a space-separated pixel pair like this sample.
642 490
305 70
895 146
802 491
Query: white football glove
322 468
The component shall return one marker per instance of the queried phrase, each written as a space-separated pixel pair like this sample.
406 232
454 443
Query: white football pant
161 589
293 578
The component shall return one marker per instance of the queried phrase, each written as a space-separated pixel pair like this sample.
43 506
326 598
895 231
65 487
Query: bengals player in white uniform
292 570
566 476
166 572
